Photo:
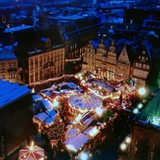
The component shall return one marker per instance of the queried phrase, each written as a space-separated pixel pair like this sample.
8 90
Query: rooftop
10 92
17 28
151 113
6 54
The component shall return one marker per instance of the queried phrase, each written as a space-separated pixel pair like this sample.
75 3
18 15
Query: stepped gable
151 113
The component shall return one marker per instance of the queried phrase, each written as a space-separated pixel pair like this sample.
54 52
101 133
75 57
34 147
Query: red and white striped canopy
31 153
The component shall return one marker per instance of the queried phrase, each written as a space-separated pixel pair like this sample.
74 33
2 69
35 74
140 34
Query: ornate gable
123 57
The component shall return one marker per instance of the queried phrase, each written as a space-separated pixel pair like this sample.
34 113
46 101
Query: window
10 76
143 58
36 62
14 64
140 65
144 66
10 65
15 75
31 77
2 66
3 76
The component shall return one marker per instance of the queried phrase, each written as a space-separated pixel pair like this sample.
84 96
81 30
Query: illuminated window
3 76
2 66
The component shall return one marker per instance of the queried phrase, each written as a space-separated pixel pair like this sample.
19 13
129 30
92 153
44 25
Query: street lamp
142 91
84 156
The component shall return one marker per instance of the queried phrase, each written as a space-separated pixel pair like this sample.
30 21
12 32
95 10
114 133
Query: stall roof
77 141
36 97
46 104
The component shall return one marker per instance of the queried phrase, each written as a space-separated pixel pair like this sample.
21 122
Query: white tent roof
46 103
77 141
41 116
36 97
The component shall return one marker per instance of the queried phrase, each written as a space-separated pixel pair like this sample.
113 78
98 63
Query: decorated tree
57 130
65 112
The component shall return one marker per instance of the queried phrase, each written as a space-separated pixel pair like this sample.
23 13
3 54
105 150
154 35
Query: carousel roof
31 153
85 101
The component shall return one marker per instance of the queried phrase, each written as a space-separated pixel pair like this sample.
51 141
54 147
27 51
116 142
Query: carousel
82 103
32 152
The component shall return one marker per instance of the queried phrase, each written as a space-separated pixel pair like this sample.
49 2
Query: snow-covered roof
46 117
41 116
6 54
85 101
10 92
77 141
103 85
91 131
36 97
71 132
17 28
69 84
46 104
47 92
51 113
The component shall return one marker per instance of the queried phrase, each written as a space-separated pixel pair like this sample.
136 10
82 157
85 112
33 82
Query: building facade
8 65
100 62
120 66
145 144
15 117
89 58
141 68
44 65
123 65
111 61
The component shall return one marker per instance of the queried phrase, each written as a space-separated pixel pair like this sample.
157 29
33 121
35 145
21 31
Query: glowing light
31 148
140 105
128 140
55 103
77 119
33 90
70 147
156 121
100 87
123 146
142 91
93 132
135 111
99 111
83 156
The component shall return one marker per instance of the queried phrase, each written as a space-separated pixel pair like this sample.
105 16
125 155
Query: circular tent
85 101
31 153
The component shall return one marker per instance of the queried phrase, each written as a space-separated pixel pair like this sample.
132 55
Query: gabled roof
123 57
151 113
140 50
95 44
